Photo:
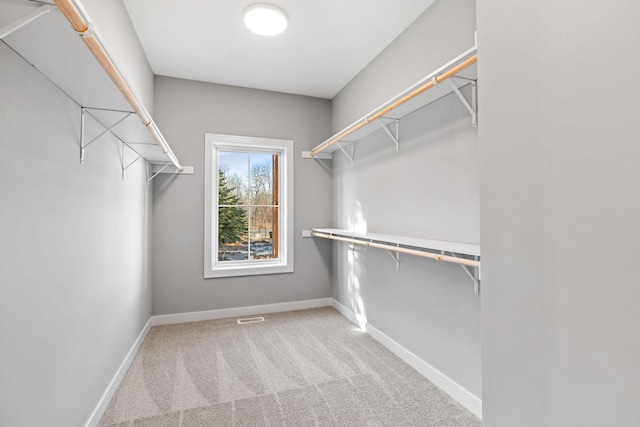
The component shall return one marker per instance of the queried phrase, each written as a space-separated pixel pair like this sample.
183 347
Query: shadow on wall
161 185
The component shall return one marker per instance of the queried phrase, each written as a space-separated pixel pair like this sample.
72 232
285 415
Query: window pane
233 176
261 233
261 182
232 234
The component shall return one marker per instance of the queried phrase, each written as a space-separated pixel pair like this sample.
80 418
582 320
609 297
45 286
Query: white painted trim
169 319
284 263
346 312
102 405
446 384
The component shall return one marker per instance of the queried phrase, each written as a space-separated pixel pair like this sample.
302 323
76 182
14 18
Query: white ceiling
326 44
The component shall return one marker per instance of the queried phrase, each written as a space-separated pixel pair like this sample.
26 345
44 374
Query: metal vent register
250 320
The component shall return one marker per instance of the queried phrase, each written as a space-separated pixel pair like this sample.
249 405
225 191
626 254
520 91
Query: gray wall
74 277
185 111
428 189
560 202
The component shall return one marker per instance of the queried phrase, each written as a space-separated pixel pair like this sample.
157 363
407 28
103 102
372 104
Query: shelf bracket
341 147
474 101
124 164
395 256
138 155
474 274
353 248
21 22
167 168
386 126
107 129
158 172
470 108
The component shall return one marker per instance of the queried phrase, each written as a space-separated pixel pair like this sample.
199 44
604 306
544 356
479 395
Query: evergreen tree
232 220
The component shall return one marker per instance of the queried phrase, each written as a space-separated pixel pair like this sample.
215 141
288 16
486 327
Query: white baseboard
350 315
446 384
102 405
168 319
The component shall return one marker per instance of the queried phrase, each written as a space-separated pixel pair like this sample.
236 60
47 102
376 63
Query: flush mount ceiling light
265 19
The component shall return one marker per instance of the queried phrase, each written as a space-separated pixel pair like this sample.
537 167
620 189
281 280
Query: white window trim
213 269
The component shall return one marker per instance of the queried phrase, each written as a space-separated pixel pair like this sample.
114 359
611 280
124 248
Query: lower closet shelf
453 252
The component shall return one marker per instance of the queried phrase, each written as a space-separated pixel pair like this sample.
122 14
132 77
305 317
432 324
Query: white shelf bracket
82 113
394 137
122 159
107 129
124 164
167 168
26 19
138 156
474 274
395 256
158 172
350 156
470 108
474 101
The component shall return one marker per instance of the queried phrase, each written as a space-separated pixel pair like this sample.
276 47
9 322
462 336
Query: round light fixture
265 19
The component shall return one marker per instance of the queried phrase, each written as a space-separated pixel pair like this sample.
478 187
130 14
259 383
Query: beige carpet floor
302 368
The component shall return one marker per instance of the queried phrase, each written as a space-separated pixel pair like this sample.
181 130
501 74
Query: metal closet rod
431 83
78 23
437 257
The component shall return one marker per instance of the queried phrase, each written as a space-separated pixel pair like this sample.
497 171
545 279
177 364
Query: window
248 206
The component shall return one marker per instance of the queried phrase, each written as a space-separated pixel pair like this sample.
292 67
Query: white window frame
284 263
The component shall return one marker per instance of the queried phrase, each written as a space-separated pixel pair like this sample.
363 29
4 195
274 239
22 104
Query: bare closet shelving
466 255
70 54
449 78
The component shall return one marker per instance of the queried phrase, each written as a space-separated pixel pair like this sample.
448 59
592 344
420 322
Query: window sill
248 270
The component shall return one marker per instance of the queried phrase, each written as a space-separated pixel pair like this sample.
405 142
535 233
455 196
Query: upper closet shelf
75 61
450 77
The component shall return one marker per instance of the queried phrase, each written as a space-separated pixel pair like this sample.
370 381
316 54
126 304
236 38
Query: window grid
250 208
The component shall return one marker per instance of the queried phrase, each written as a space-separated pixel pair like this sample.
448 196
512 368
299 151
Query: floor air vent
250 320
